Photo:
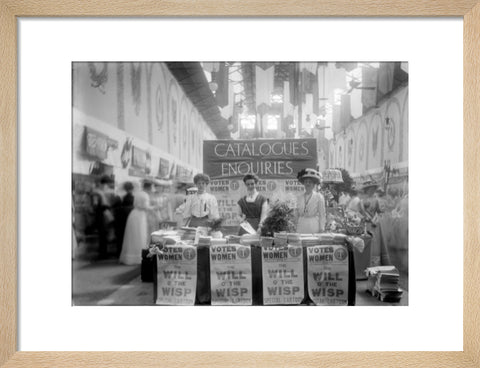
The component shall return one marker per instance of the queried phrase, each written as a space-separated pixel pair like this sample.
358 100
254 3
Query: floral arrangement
280 218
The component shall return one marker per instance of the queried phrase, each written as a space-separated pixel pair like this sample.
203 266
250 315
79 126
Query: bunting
264 79
228 110
385 79
369 78
221 78
341 114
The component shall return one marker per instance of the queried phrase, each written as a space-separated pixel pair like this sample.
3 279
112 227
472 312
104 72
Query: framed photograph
45 325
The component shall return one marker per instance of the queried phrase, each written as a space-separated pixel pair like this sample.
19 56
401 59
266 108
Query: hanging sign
328 274
177 275
231 274
163 168
282 269
272 158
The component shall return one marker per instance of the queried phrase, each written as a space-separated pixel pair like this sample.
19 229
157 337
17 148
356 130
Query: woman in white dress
310 212
136 230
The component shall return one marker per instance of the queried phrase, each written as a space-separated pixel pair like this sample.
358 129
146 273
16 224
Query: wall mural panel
392 123
158 100
350 150
183 129
403 151
331 155
340 152
375 142
173 117
136 108
361 148
95 90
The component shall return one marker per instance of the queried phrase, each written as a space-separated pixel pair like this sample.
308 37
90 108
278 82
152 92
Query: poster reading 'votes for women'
328 274
177 275
282 269
275 161
231 274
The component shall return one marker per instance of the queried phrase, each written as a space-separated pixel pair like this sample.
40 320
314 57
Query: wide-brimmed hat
162 182
309 174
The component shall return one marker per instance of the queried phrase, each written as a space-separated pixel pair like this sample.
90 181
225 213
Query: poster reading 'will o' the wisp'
231 274
282 269
177 275
328 274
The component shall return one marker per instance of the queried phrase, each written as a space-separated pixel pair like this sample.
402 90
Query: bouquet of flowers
280 218
354 223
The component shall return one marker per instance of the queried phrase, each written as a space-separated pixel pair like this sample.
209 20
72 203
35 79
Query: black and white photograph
240 183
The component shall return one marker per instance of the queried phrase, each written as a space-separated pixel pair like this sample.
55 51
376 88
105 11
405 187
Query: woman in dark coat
253 207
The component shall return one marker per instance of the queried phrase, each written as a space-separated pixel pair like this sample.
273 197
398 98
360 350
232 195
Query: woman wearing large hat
310 211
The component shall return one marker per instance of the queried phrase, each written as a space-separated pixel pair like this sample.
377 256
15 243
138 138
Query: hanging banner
177 275
328 274
231 274
282 269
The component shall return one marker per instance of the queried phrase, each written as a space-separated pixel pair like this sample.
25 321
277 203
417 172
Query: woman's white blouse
201 205
314 207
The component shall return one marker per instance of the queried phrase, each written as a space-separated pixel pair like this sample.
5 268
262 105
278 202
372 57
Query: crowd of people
128 219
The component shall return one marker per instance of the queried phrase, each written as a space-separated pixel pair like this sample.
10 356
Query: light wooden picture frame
10 10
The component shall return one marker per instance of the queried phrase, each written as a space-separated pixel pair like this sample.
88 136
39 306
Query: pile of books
187 233
160 236
383 283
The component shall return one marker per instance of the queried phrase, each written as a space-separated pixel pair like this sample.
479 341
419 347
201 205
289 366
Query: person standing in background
200 207
137 229
162 204
125 209
253 207
103 216
310 211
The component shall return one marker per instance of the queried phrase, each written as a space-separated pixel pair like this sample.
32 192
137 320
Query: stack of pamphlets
250 239
266 241
309 240
233 239
280 239
294 238
383 283
205 241
218 241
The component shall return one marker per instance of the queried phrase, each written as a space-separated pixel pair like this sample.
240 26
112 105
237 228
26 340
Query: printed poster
177 275
231 274
282 269
328 274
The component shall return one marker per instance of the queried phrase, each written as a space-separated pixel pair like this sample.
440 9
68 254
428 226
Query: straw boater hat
310 174
192 190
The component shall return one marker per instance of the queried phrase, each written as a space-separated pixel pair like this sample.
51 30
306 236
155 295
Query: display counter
317 276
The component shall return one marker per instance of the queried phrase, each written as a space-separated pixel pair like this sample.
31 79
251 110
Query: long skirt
135 238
